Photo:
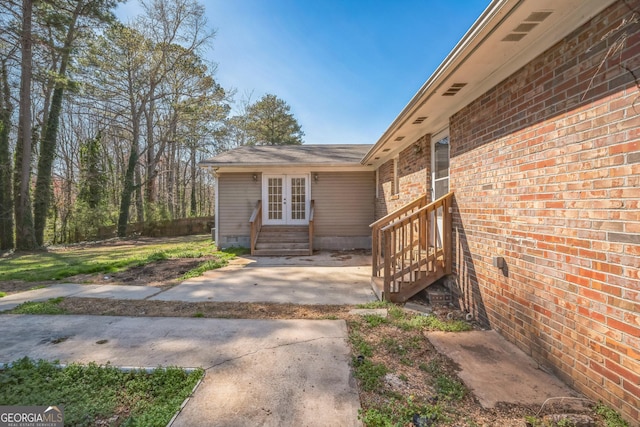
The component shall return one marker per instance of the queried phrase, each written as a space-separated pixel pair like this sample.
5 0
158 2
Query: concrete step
283 240
281 245
281 252
284 228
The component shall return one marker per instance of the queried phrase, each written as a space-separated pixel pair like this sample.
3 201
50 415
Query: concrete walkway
76 290
258 372
496 370
341 278
304 285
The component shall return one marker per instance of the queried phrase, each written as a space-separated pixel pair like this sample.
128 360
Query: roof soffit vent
526 26
454 89
419 120
400 138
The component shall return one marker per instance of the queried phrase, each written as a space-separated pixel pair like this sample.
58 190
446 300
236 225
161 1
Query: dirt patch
163 274
207 309
14 286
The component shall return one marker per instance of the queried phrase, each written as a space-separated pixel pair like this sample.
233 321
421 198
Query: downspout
216 222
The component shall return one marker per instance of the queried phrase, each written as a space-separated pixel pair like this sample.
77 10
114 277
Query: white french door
285 199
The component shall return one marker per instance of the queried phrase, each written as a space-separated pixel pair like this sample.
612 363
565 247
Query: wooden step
407 289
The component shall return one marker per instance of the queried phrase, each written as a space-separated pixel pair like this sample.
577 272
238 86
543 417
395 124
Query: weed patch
428 392
221 259
370 374
400 412
373 320
93 394
450 388
51 306
611 417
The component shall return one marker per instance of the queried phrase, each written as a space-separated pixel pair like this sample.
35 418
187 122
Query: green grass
59 264
92 393
370 374
398 412
611 417
450 388
51 306
433 323
3 294
361 346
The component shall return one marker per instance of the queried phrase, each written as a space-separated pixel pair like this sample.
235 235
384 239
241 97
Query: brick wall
546 173
414 172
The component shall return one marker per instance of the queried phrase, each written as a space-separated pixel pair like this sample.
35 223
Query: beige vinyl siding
344 203
237 197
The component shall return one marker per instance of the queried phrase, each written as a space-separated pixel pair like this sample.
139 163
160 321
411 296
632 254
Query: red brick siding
414 171
551 182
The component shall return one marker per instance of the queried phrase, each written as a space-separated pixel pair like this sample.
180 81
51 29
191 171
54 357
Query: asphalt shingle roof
270 155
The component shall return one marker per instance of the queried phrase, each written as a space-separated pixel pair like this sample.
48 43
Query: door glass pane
298 198
274 191
442 158
442 187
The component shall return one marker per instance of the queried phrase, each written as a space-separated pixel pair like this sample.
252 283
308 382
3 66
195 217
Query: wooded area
104 122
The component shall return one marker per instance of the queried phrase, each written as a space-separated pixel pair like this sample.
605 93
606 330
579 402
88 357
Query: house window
396 178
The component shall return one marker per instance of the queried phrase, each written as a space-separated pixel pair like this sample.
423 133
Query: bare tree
25 237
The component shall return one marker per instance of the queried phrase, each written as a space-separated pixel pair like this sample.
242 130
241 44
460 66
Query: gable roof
506 36
290 155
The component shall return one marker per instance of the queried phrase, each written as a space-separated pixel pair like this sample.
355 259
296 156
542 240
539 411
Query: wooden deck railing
412 246
376 230
256 225
311 214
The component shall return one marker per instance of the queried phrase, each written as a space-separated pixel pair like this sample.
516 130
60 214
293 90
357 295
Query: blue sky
346 68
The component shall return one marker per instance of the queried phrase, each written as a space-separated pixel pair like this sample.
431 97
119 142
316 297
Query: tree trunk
42 194
171 176
127 192
129 176
150 184
139 202
193 206
25 236
6 197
